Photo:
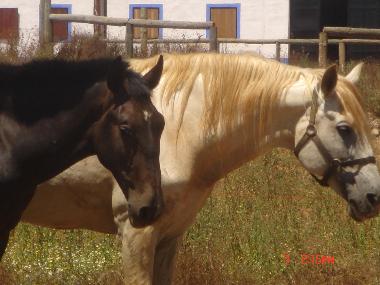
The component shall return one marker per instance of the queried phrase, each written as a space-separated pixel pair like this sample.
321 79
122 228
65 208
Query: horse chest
8 168
8 165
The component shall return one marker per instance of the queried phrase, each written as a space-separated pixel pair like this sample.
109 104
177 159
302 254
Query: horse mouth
139 223
354 214
146 216
358 216
136 223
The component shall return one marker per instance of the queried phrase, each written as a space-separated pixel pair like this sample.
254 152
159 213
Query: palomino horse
54 113
222 111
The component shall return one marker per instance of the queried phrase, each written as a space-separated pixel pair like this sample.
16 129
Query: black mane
42 88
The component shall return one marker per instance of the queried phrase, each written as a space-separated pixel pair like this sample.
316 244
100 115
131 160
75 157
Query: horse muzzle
364 208
145 215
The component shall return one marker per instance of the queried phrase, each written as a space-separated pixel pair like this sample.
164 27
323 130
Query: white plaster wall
29 17
118 9
259 19
85 7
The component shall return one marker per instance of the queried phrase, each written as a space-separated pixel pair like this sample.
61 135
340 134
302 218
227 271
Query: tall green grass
256 214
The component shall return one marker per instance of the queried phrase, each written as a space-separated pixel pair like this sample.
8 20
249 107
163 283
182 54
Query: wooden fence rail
347 32
90 19
46 26
361 36
347 35
278 42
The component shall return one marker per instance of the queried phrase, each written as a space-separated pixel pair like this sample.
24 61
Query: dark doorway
333 14
363 14
304 24
308 17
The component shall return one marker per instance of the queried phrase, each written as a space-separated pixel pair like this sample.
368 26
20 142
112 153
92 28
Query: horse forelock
351 100
240 88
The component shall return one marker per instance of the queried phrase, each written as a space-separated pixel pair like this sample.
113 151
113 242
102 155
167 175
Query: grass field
256 216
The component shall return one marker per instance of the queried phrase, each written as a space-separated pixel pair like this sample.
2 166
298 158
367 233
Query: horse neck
86 120
227 151
66 139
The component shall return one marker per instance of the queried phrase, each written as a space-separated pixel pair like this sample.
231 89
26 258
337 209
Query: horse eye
126 129
344 128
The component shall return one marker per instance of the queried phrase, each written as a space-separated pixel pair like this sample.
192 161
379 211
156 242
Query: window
226 18
61 30
154 12
100 9
9 20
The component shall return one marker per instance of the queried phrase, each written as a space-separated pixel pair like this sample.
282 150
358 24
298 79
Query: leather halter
334 164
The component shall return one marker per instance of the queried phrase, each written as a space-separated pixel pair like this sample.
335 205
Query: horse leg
12 204
138 249
164 261
138 245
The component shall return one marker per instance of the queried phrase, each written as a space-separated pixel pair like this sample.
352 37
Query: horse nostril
372 198
147 213
352 203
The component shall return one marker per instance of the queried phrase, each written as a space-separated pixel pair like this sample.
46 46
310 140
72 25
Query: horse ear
329 80
154 75
354 75
115 79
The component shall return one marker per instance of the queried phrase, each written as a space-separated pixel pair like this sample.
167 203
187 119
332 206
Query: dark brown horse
54 113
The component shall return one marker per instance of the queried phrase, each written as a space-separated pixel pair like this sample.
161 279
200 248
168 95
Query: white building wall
29 16
84 7
259 19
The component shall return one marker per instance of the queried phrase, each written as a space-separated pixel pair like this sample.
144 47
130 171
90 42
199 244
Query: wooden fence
360 37
46 25
346 35
349 36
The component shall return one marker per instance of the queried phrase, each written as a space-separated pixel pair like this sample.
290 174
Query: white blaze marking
147 115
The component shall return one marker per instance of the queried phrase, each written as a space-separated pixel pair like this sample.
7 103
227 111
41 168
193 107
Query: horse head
127 140
333 143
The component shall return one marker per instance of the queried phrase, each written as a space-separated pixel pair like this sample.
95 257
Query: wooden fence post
322 49
41 21
129 40
100 9
46 34
144 34
278 51
342 56
213 34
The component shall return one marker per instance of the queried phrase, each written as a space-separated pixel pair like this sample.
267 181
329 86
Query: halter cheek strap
334 164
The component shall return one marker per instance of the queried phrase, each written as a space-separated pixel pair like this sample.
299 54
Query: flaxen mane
246 83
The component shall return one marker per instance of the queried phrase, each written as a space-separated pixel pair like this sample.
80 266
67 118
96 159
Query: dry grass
261 211
268 208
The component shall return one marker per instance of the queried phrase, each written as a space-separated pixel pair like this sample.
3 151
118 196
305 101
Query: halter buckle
311 131
336 162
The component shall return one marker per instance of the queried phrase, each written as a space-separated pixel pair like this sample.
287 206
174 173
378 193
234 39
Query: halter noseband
333 163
